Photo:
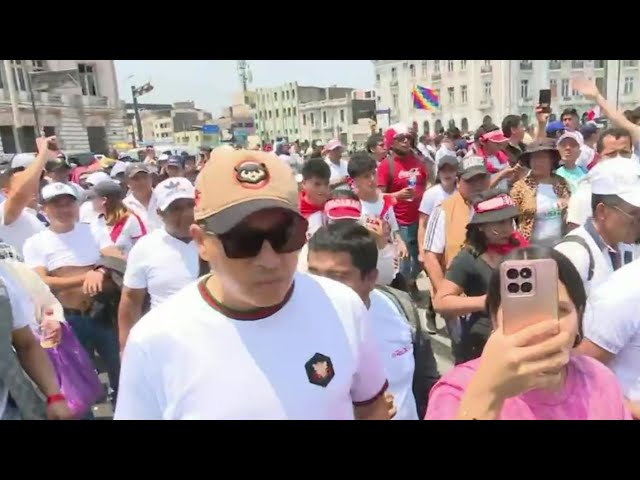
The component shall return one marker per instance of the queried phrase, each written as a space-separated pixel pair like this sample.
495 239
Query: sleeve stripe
431 228
375 397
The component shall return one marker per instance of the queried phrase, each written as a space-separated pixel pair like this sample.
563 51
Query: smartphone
544 100
529 291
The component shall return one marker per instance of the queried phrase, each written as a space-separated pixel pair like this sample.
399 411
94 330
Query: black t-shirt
470 273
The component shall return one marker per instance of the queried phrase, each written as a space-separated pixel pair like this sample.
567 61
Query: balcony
577 64
486 69
526 66
394 82
436 77
555 64
630 63
567 98
486 103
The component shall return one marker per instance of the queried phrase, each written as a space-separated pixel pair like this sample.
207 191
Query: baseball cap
174 161
22 160
173 189
588 129
238 183
617 176
57 189
332 145
572 135
163 157
448 160
495 136
343 209
471 166
97 177
107 188
133 168
57 164
553 127
118 168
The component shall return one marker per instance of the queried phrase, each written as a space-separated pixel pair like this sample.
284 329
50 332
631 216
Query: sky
211 83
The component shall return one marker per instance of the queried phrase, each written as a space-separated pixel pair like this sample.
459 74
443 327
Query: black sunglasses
243 242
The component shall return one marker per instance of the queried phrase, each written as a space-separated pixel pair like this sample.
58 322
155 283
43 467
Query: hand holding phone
544 100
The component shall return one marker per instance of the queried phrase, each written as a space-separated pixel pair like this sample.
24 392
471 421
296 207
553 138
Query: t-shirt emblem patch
319 370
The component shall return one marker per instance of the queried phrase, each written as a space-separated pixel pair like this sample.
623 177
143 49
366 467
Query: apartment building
476 91
85 117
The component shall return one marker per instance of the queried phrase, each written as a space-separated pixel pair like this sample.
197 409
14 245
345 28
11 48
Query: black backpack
426 372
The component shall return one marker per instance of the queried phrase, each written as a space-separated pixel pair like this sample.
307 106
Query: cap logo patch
252 174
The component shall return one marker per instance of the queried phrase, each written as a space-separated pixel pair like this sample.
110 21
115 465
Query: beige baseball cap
237 183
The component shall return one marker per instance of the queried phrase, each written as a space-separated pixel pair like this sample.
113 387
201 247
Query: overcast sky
211 83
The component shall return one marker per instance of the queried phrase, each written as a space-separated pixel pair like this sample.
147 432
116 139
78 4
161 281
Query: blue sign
210 129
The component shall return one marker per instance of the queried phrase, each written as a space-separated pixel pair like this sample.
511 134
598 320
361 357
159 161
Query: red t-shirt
406 211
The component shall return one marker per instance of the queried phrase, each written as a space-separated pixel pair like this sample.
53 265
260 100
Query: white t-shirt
88 214
22 310
548 223
432 198
371 211
579 209
148 215
495 163
337 171
131 232
394 337
162 264
24 226
206 365
79 247
586 156
435 237
612 321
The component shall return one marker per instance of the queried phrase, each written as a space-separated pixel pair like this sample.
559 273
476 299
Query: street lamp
135 93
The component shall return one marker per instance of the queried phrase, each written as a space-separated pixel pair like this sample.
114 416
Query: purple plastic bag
77 376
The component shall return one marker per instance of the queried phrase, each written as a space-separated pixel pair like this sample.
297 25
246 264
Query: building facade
85 117
477 91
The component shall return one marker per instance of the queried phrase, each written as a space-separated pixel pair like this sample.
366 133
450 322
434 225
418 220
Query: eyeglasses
632 218
244 242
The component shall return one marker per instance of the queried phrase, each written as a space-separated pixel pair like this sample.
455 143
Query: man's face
569 151
621 222
178 217
379 151
612 147
517 134
335 155
447 175
260 281
339 267
140 182
62 210
174 171
401 145
367 183
474 186
190 165
150 153
317 190
570 122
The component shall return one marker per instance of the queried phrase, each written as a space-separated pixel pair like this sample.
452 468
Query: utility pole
244 72
36 121
8 73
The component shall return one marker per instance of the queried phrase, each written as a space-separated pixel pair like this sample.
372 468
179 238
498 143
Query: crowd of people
282 282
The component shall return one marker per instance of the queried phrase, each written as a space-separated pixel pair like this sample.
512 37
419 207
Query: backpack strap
392 172
582 242
403 302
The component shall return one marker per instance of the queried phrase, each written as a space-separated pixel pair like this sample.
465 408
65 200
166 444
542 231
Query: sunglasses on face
244 242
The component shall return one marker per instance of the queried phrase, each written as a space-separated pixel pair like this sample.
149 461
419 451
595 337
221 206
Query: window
565 87
412 70
287 94
377 78
463 65
88 80
288 111
598 64
452 95
463 94
38 66
18 75
269 114
275 96
277 113
555 64
324 118
424 68
295 131
628 85
293 94
394 74
312 119
524 88
487 63
486 91
295 114
436 66
450 65
395 100
342 116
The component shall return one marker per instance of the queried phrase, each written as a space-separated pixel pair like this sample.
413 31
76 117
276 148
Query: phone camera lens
526 273
512 274
513 288
526 287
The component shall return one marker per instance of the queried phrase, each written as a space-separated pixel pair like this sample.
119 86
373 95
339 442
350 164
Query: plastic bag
77 376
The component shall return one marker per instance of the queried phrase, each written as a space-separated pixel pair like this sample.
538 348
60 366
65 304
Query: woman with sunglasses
532 374
490 237
163 262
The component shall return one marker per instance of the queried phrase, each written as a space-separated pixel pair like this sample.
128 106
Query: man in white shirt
67 257
448 145
20 184
348 254
338 166
614 228
260 341
611 326
163 262
141 199
590 132
571 121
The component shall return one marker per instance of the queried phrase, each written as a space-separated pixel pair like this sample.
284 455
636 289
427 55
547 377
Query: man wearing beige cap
254 339
338 166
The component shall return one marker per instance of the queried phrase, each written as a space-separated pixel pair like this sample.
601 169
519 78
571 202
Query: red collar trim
255 314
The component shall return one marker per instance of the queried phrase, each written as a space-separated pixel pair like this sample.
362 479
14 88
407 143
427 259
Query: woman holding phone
532 373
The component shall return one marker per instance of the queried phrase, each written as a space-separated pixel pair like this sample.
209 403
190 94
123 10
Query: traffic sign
210 129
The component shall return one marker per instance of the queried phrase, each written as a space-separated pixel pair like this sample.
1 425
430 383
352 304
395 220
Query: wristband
55 398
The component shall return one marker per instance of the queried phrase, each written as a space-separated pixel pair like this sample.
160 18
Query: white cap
57 189
617 176
173 189
22 160
118 168
97 177
573 135
163 157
